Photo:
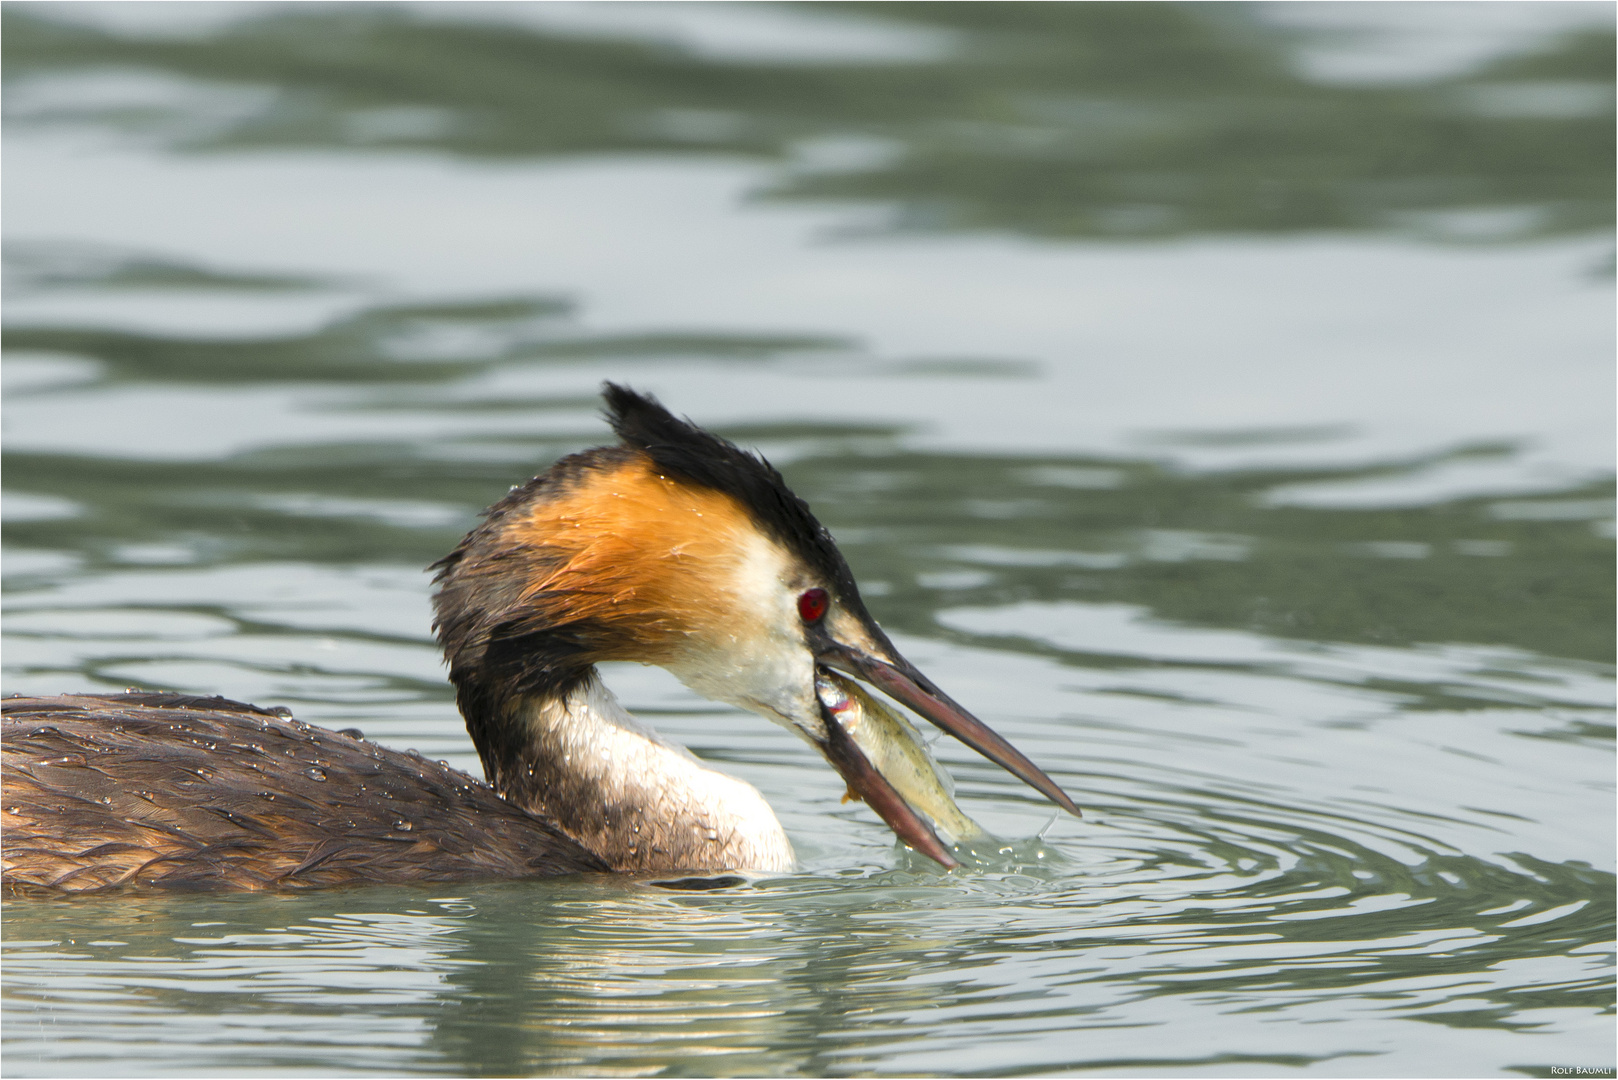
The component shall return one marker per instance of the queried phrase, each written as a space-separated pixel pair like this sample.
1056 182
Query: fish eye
812 605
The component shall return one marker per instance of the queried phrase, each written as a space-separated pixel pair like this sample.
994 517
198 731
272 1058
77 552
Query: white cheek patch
758 659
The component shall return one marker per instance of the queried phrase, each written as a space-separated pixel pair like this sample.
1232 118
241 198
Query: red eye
812 605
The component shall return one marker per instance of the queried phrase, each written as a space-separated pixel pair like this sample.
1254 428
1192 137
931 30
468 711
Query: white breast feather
627 762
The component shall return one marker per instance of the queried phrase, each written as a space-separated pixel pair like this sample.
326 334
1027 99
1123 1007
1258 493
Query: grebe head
676 548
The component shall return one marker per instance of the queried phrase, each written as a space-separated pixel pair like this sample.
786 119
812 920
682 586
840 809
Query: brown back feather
105 791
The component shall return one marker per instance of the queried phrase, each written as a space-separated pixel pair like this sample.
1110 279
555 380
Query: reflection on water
836 976
1117 120
1284 541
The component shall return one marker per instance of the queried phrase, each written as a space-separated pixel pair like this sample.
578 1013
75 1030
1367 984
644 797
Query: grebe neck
635 799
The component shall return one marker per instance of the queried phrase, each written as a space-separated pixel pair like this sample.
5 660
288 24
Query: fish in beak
894 747
881 758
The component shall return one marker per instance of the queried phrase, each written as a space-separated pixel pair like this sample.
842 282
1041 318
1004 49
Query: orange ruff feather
652 557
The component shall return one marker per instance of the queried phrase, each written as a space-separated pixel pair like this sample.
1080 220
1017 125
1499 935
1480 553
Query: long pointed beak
900 680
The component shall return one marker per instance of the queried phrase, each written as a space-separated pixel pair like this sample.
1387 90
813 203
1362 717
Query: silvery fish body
896 750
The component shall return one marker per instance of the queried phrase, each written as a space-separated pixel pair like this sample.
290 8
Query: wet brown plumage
205 793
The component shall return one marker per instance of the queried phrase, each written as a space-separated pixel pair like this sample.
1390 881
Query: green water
1216 399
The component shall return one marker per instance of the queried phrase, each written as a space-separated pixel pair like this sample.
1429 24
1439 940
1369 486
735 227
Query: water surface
1217 400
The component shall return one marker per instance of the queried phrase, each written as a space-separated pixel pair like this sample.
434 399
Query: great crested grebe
673 548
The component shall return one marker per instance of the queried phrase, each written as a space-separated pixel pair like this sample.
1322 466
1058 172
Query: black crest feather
681 450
